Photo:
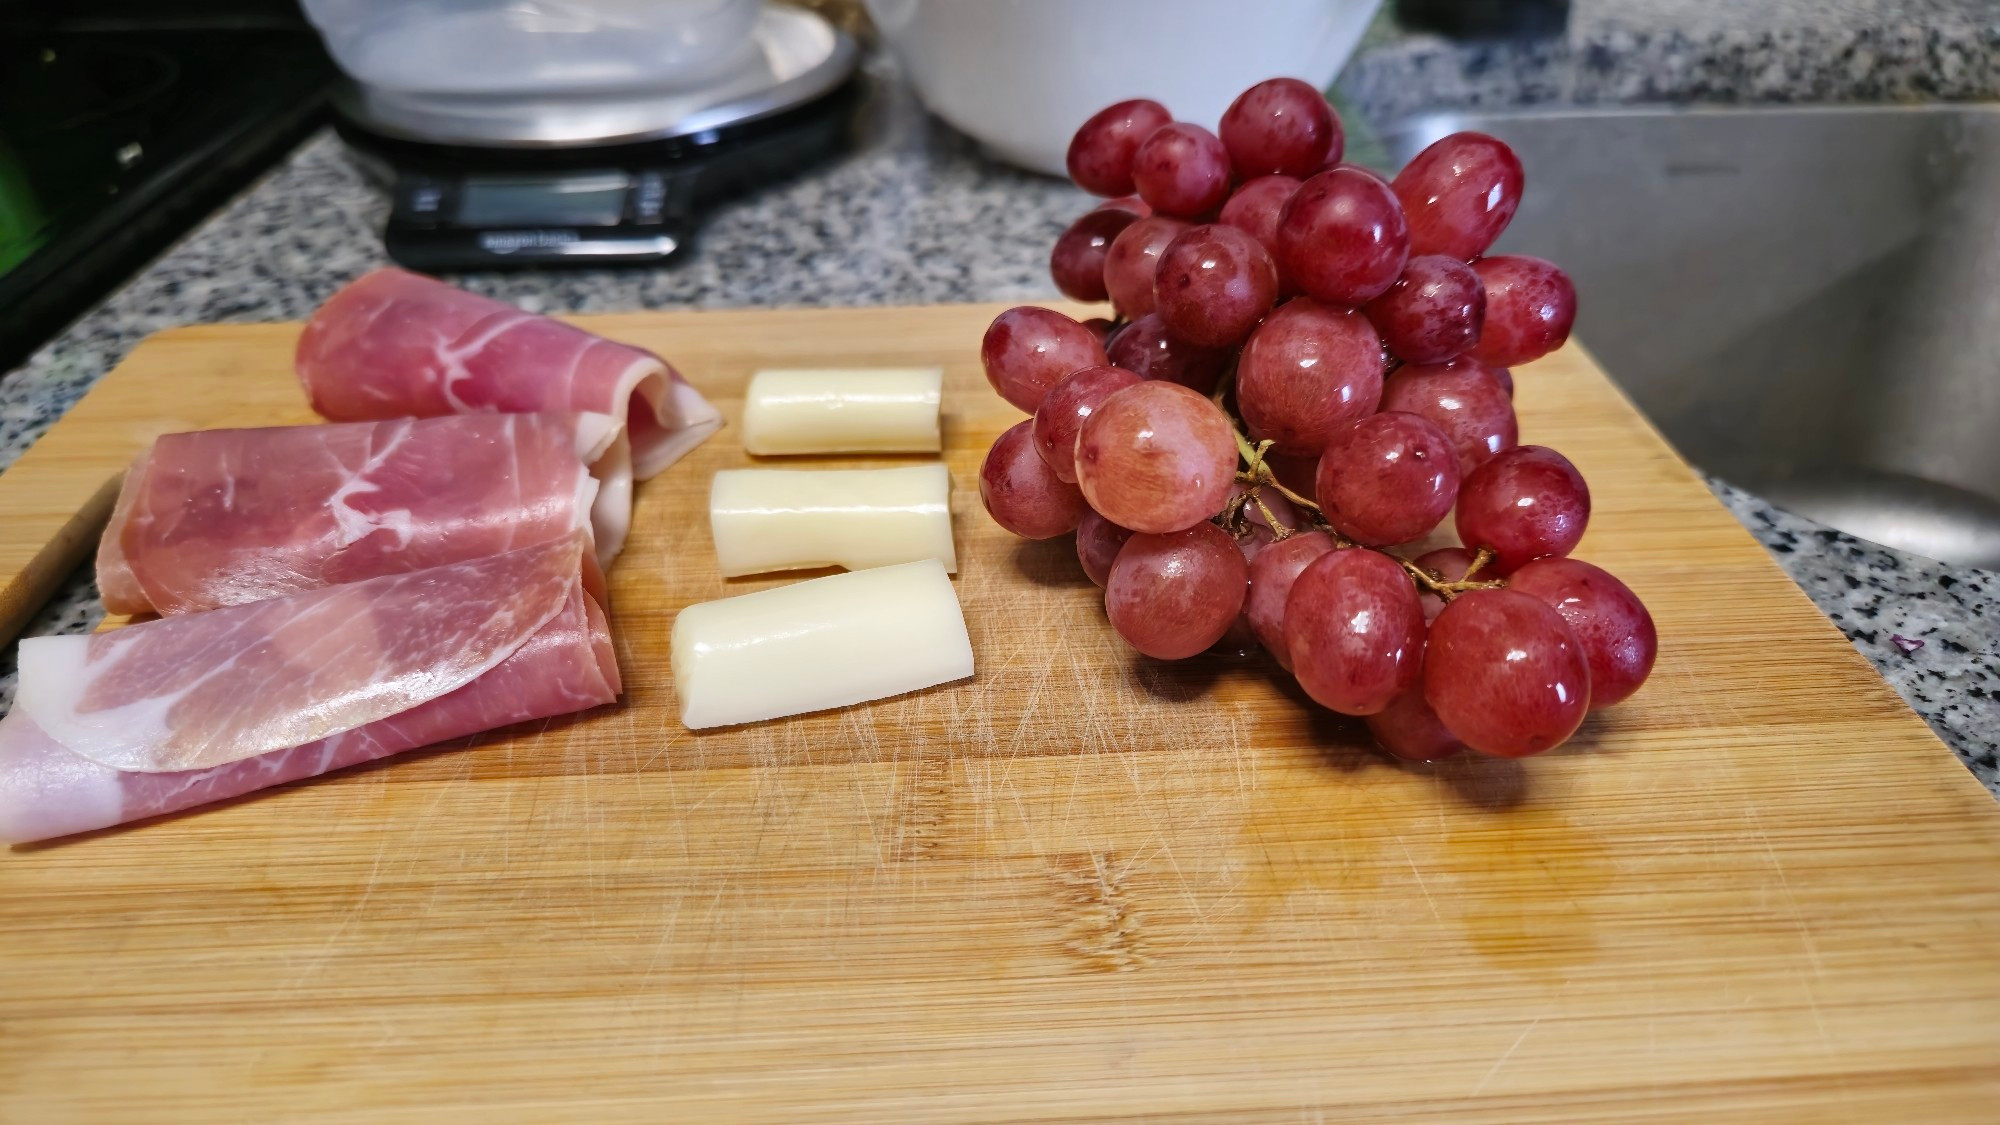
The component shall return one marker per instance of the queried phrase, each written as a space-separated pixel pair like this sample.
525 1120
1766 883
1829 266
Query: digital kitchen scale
596 182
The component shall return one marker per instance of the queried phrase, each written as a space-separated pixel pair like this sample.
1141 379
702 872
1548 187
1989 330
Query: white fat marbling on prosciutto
353 522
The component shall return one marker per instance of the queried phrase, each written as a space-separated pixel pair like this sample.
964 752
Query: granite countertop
917 215
1711 51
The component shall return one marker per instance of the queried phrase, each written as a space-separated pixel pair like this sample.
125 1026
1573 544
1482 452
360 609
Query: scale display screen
596 199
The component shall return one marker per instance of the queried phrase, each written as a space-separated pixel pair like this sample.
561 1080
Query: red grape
1447 564
1355 631
1527 502
1505 673
1181 169
1254 209
1133 259
1100 328
1459 195
1066 407
1463 399
1341 237
1530 307
1077 262
1308 370
1431 313
1022 493
1100 155
1171 596
1410 730
1156 457
1255 206
1504 377
1281 125
1026 350
1098 541
1610 622
1130 203
1387 478
1144 346
1272 573
1213 284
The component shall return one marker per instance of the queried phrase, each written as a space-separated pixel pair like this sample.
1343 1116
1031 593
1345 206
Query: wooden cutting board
1083 886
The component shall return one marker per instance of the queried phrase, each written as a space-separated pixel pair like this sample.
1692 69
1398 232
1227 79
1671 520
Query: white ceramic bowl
1021 75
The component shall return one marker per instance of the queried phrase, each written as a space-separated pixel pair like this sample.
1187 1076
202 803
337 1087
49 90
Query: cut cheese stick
831 410
799 519
828 642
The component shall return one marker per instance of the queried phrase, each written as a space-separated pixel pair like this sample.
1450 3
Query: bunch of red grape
1353 326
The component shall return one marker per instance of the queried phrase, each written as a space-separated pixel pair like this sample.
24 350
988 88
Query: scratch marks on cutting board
1507 1054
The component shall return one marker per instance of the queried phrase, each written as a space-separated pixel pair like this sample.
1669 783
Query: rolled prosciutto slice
224 517
207 689
395 344
47 790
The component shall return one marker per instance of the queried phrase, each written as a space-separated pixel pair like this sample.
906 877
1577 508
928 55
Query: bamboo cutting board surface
1082 886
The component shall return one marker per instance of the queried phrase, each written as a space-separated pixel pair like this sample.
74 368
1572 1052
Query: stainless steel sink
1807 301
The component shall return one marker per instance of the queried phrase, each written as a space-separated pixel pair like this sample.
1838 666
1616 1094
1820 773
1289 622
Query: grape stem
1256 475
1436 583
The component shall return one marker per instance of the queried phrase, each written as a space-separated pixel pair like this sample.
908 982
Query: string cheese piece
828 642
834 410
798 519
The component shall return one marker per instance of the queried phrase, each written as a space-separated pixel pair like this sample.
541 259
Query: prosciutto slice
47 790
208 689
225 517
394 344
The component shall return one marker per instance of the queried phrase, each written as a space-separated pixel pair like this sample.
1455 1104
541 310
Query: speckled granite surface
1933 630
1725 51
917 215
